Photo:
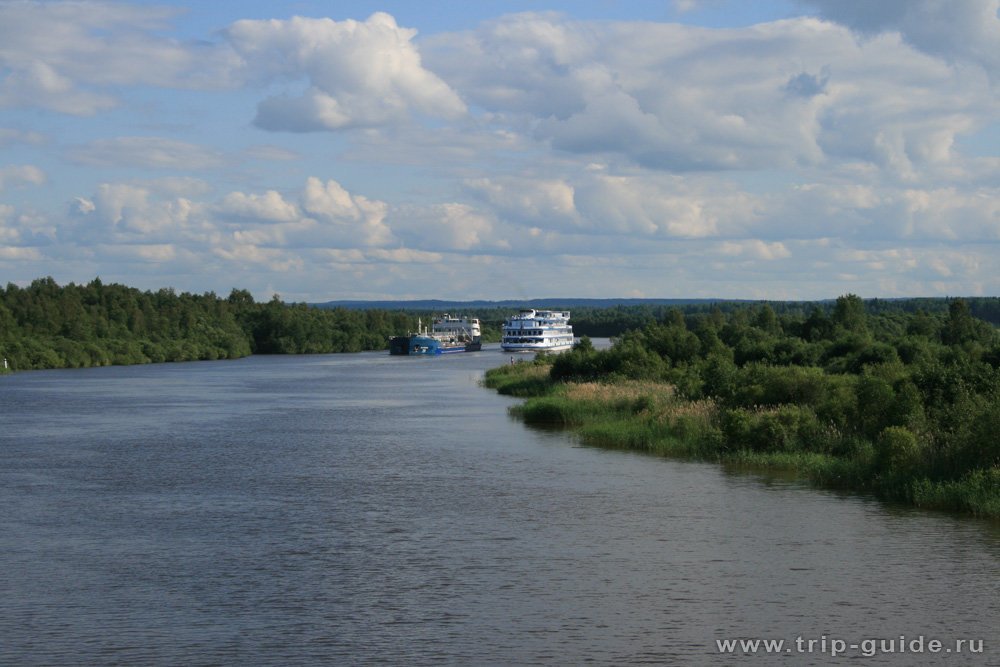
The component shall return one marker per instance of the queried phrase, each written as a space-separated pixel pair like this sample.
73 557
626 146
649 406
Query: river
365 509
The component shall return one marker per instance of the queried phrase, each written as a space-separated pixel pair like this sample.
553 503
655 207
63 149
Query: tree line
615 320
46 325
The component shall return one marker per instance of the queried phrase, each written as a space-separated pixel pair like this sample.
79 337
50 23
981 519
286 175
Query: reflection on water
364 508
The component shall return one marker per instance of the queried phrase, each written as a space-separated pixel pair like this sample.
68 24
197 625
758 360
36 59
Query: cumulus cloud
358 74
268 207
332 204
793 94
130 213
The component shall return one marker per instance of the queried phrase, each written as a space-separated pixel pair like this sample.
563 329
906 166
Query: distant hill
555 303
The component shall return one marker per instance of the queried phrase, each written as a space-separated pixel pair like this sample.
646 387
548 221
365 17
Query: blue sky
360 150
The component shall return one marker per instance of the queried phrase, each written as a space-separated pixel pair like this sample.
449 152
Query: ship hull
410 345
536 348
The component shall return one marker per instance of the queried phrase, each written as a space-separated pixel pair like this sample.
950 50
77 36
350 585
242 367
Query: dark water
365 509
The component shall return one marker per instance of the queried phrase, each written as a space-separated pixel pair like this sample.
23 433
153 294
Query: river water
366 509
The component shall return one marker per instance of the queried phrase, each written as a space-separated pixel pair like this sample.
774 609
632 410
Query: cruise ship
448 334
537 331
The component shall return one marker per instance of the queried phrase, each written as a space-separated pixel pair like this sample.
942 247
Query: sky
327 150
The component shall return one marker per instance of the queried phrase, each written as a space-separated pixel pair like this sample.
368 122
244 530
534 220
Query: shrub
898 451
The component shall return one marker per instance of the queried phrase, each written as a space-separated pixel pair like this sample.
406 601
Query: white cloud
951 214
11 136
528 200
342 256
755 249
132 213
799 158
337 208
957 29
449 226
254 257
146 152
405 256
179 186
145 253
8 235
20 175
594 202
271 153
70 57
40 84
648 207
10 253
83 206
358 74
329 200
268 207
799 93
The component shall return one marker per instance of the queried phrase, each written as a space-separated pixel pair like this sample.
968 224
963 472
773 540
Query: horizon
512 300
787 150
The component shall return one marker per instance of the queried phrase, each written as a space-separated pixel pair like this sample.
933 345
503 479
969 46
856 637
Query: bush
899 452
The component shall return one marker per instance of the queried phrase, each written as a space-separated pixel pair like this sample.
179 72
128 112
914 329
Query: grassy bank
650 416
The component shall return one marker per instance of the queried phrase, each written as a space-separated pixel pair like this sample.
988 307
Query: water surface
362 509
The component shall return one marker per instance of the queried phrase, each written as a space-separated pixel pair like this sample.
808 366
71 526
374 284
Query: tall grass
522 379
975 493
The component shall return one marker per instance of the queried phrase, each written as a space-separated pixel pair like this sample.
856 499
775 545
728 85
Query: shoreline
649 417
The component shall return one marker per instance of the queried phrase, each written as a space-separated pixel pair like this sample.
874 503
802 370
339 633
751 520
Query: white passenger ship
537 331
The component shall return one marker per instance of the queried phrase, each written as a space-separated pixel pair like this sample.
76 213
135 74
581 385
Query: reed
976 493
631 434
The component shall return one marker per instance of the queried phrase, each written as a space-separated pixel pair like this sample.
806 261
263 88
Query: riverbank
649 416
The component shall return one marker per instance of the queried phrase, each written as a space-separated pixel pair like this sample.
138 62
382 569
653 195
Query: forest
903 403
46 325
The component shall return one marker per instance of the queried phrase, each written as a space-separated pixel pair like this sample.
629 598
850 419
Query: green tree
849 313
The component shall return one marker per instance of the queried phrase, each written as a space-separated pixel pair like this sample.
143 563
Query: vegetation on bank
905 405
49 326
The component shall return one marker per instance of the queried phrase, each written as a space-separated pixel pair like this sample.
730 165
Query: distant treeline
614 320
870 396
46 325
50 326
